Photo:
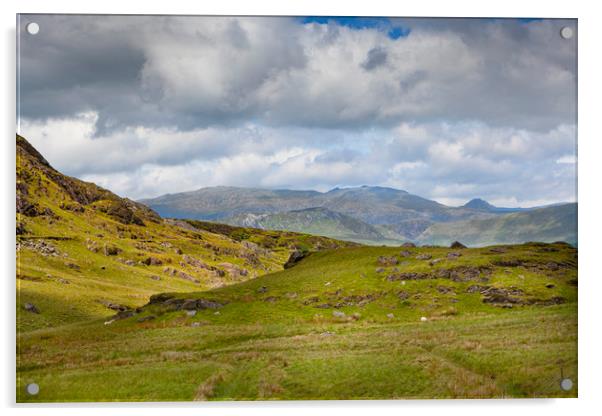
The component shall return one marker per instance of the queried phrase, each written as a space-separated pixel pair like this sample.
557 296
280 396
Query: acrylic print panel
295 208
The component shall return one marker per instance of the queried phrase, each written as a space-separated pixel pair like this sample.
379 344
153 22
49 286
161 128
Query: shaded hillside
270 239
554 223
318 221
84 252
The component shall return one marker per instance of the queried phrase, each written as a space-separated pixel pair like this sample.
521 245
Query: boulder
408 244
30 307
295 257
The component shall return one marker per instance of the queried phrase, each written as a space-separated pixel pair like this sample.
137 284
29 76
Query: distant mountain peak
480 204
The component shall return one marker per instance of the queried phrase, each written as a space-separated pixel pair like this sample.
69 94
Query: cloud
437 160
197 72
449 109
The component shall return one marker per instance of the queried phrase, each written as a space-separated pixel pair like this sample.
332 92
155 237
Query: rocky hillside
84 252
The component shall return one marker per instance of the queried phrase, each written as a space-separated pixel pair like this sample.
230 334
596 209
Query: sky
448 109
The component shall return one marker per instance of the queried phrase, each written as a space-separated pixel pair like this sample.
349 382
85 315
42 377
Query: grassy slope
556 223
269 344
79 220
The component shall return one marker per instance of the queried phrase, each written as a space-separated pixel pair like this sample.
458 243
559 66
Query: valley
115 302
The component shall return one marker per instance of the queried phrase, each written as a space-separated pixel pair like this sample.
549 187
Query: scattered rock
403 295
40 246
309 301
550 286
155 277
63 281
111 250
508 263
114 306
324 306
445 290
409 276
338 314
435 261
186 276
72 266
356 316
387 261
191 312
262 289
192 304
327 283
30 307
327 334
271 299
152 261
390 316
424 256
423 319
453 255
405 253
457 245
498 250
379 270
502 297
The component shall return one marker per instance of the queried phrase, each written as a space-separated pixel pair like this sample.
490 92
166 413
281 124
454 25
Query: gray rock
30 307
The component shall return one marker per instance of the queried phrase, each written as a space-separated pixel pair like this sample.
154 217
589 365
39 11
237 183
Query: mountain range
371 215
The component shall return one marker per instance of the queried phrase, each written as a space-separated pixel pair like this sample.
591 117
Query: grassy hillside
554 223
341 324
115 303
84 253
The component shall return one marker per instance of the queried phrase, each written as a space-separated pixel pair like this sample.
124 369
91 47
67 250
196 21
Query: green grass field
270 340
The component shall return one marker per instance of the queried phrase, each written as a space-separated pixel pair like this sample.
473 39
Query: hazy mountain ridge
549 224
368 214
402 212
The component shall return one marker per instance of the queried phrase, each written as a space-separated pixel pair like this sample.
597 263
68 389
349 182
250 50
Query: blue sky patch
382 24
